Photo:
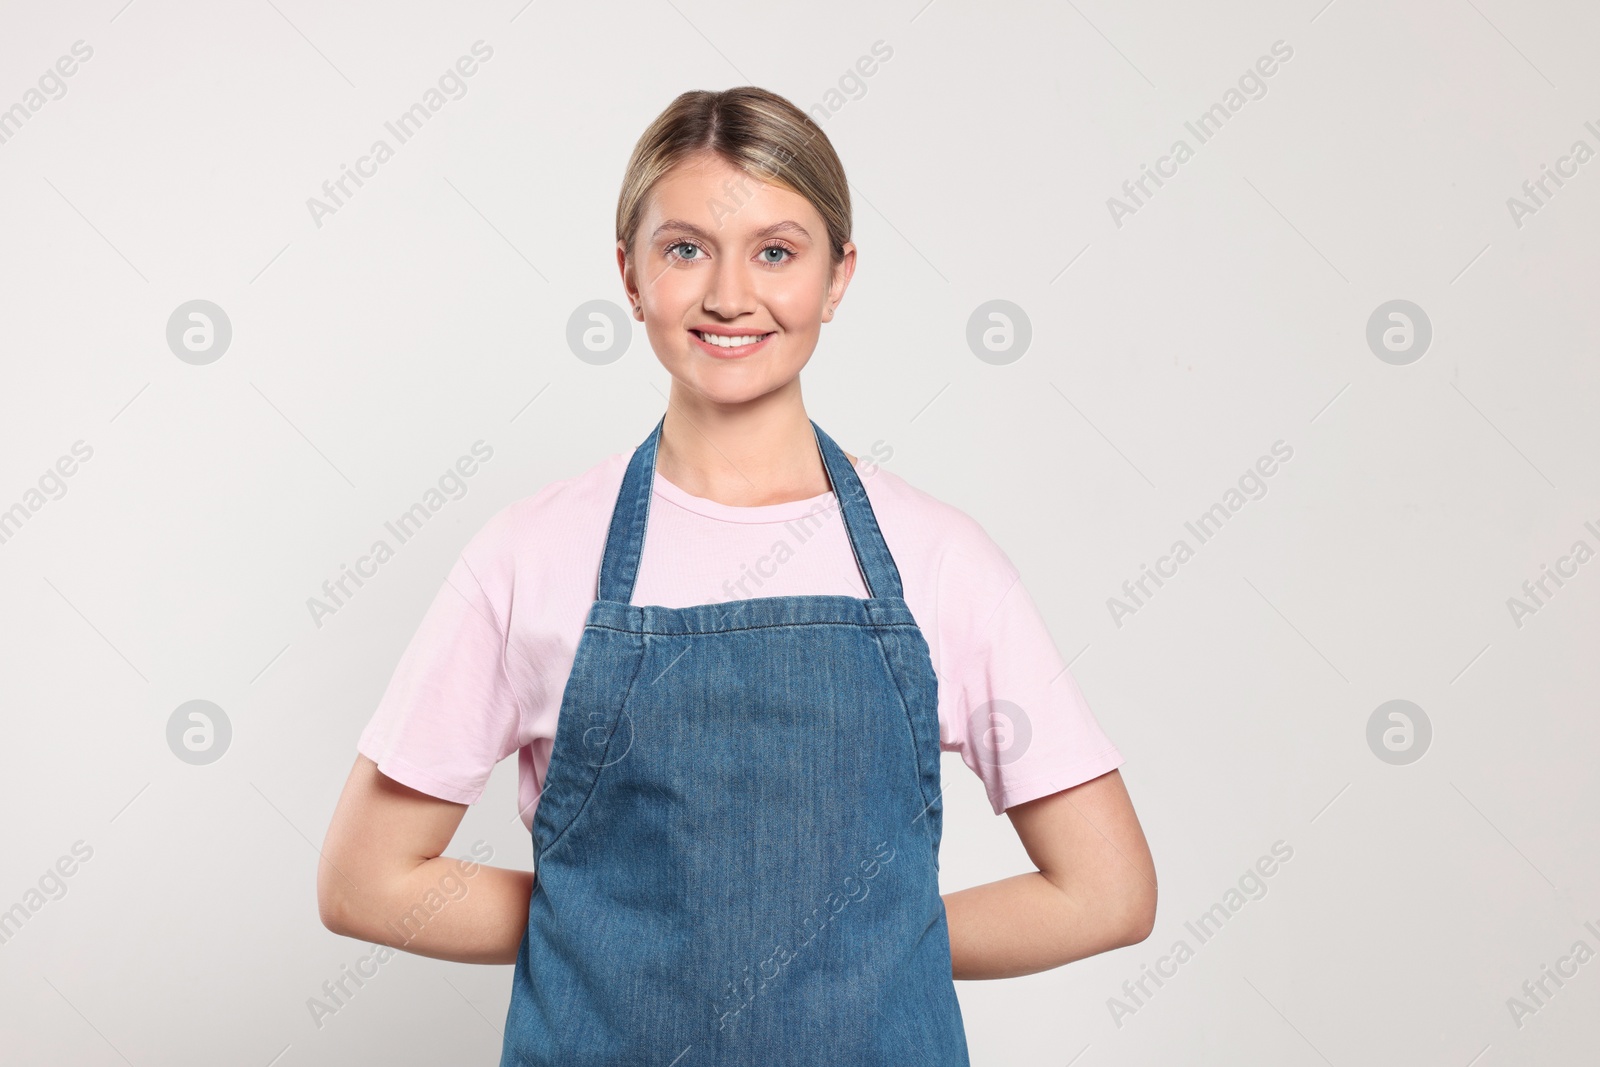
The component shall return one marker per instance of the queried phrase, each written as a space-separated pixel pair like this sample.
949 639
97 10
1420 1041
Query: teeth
728 342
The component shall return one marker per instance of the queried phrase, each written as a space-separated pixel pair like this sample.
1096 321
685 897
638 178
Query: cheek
798 306
671 291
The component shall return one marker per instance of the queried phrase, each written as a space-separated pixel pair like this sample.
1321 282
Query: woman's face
718 250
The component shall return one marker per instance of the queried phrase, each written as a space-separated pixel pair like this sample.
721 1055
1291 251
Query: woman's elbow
331 908
1137 912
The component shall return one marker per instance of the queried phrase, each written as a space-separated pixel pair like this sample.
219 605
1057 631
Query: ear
630 285
840 280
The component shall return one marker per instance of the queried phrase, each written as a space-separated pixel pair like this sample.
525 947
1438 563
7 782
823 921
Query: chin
730 397
726 392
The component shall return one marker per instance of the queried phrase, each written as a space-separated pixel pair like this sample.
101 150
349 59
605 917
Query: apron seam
916 743
758 626
594 782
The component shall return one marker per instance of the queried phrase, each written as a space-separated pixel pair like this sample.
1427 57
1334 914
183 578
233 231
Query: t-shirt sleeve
450 712
1021 723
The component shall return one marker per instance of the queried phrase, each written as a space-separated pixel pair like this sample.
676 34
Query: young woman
729 659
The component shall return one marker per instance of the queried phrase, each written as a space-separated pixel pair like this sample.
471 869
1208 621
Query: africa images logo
1251 85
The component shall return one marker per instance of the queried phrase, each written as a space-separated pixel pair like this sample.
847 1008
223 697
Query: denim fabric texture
737 845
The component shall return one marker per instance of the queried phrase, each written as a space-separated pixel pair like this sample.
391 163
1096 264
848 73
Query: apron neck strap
619 566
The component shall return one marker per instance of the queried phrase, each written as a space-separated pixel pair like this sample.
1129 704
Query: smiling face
720 253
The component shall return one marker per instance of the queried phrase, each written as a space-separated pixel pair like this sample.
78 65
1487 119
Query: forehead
712 193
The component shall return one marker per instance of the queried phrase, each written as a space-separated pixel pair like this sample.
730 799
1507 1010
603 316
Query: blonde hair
758 131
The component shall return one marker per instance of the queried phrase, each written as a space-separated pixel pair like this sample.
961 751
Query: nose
731 292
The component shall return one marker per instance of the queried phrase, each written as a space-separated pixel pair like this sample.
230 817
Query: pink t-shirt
484 674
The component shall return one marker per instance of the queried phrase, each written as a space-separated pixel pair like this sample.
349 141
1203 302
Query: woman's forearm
456 910
1025 924
448 909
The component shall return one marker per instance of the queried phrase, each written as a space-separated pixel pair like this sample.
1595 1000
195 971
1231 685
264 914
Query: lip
728 353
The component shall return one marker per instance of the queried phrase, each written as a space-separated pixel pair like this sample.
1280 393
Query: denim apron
737 844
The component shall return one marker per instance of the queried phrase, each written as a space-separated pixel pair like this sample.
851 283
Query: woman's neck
749 456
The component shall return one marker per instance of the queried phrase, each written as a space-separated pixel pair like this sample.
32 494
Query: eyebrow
681 226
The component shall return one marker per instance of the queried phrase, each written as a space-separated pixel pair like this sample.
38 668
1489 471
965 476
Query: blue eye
672 252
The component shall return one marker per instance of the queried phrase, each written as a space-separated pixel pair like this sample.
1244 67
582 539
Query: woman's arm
1094 890
382 878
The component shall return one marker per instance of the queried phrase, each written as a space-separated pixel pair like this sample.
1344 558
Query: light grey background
1228 312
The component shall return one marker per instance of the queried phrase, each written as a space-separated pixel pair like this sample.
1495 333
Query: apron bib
737 844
